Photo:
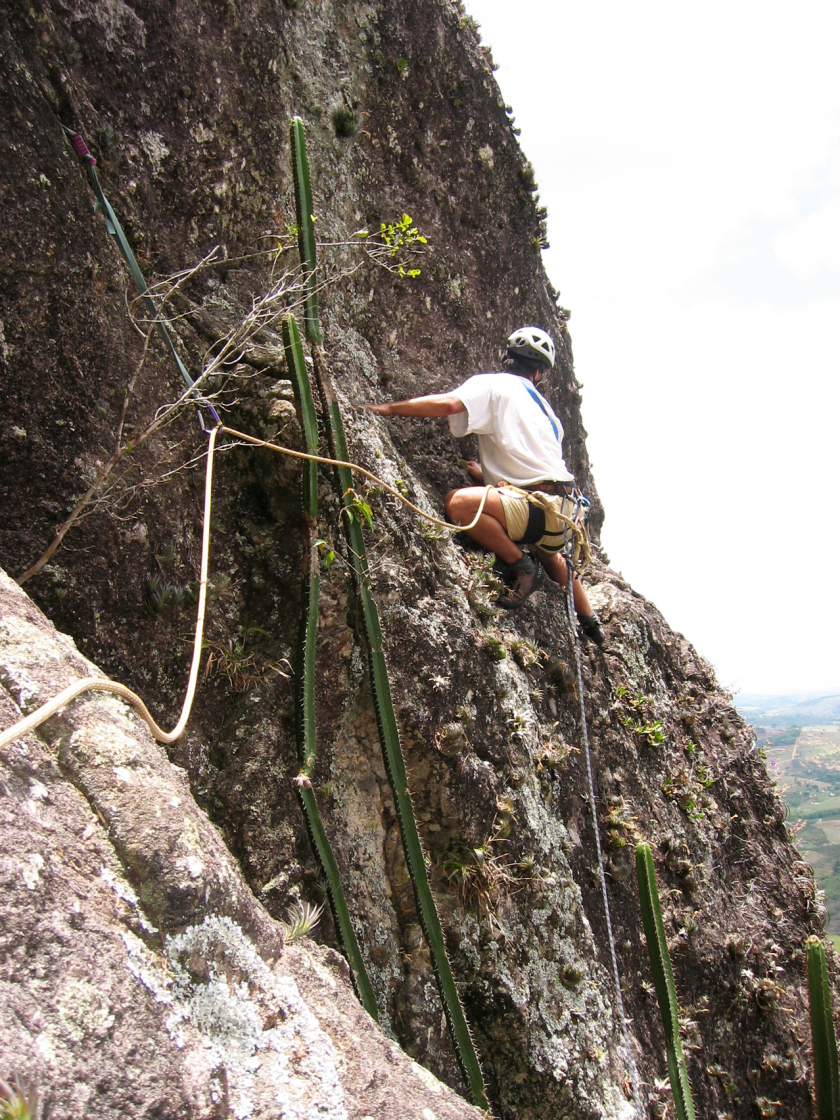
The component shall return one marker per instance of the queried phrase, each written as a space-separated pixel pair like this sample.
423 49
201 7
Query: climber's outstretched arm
436 404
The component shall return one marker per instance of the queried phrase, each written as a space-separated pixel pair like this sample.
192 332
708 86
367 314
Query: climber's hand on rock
382 409
473 469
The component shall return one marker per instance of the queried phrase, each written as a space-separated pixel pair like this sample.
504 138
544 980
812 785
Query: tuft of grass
232 657
301 919
18 1099
494 647
346 121
525 653
167 555
479 875
159 595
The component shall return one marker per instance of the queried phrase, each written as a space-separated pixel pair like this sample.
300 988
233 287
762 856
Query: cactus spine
386 719
305 217
663 979
293 348
305 676
823 1038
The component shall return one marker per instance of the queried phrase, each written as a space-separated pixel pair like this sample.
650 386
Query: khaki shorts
535 520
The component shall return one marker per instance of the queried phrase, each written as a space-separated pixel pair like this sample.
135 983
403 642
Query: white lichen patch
603 597
45 1044
428 1078
155 148
18 680
191 837
30 872
103 743
84 1010
37 790
252 1023
201 134
194 866
124 891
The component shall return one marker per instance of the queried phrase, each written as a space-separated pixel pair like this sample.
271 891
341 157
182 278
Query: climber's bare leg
555 565
491 528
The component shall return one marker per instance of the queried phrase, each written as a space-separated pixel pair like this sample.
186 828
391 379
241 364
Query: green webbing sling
115 229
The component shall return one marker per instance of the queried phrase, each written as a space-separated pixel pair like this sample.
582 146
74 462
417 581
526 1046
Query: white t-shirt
520 438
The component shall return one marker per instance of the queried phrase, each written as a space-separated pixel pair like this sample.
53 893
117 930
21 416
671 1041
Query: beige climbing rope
368 474
102 684
576 525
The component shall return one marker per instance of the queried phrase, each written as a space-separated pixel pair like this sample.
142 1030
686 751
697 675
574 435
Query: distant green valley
803 756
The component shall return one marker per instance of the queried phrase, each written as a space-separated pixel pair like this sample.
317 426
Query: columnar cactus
305 676
823 1038
663 980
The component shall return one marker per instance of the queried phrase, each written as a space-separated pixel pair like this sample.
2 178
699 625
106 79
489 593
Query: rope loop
102 684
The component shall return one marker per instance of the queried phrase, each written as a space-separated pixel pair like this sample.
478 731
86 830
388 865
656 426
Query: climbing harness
575 526
570 614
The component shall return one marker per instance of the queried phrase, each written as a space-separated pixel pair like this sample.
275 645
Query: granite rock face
140 976
155 882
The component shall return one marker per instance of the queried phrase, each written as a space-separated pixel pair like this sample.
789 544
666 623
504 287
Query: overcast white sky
689 156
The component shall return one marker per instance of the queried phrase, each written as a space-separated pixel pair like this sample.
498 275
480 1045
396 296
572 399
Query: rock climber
519 444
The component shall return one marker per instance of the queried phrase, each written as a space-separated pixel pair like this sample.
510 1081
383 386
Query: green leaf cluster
400 236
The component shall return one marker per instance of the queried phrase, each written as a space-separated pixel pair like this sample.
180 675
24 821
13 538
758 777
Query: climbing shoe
526 578
590 624
504 571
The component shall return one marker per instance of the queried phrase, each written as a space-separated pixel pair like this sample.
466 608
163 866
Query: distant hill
797 709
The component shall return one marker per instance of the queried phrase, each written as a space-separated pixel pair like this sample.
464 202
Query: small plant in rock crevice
633 713
158 595
554 750
478 875
357 507
346 121
231 657
301 919
451 739
524 652
481 585
520 723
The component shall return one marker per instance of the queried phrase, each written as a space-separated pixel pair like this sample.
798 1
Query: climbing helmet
533 343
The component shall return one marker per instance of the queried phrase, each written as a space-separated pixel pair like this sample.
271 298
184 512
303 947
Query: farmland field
806 763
